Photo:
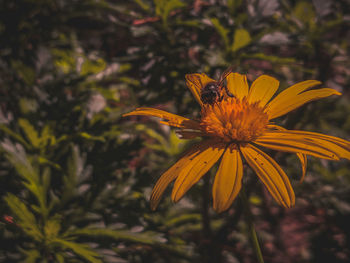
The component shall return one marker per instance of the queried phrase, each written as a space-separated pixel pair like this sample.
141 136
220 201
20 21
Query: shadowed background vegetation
75 177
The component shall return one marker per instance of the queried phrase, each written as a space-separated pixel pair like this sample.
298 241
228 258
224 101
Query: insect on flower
212 91
238 127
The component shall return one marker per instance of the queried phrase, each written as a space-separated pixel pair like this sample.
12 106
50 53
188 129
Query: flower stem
205 207
252 232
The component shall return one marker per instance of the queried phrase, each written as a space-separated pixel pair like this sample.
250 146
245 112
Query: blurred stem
209 250
205 206
252 232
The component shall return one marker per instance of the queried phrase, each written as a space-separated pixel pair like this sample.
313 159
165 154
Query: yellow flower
233 128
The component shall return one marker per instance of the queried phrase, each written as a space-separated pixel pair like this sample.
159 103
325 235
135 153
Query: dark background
75 177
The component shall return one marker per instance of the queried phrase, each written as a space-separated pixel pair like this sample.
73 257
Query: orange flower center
233 120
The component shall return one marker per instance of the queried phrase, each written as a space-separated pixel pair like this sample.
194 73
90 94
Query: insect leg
228 92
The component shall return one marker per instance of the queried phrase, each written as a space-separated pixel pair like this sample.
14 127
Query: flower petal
171 119
303 161
291 92
302 157
282 105
173 172
237 84
287 142
336 145
271 174
262 90
228 179
193 172
195 82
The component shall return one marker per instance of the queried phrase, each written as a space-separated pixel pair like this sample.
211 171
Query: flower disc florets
234 120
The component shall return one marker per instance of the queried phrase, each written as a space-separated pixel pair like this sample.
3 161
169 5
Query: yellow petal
283 105
290 93
195 82
296 89
303 161
271 174
336 145
172 173
198 167
262 90
302 157
171 119
237 84
275 127
228 180
286 142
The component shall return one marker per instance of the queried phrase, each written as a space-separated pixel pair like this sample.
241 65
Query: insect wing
225 74
195 80
195 84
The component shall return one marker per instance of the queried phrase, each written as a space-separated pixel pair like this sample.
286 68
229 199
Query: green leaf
38 191
31 256
25 72
65 60
164 7
188 23
223 32
170 6
71 179
81 250
130 81
59 257
25 169
147 238
273 59
183 219
52 228
156 147
46 178
241 39
153 134
255 200
144 238
25 218
305 12
43 160
143 5
16 136
47 137
18 158
28 105
159 6
91 137
73 165
92 66
233 5
176 144
30 132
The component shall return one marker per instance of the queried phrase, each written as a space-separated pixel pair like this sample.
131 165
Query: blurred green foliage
75 177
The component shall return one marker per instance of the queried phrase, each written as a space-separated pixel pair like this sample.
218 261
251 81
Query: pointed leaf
30 132
79 249
241 39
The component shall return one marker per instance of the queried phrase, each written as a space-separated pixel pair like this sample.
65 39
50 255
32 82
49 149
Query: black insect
211 92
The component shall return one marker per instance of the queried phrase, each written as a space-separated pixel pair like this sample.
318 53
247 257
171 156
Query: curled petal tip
131 113
187 76
126 114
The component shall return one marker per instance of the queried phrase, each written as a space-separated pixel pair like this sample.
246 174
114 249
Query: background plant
75 177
